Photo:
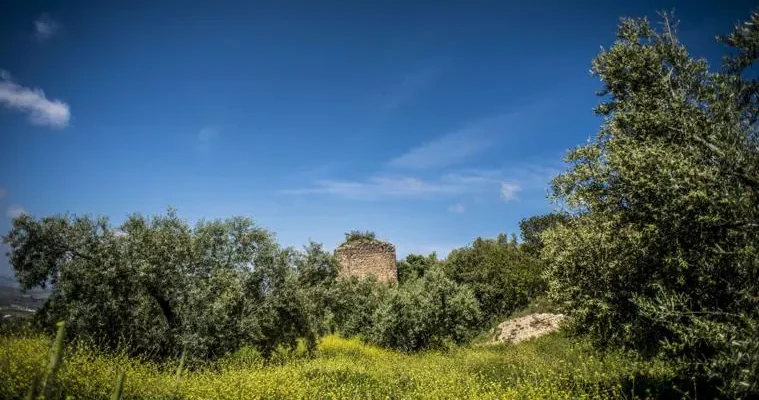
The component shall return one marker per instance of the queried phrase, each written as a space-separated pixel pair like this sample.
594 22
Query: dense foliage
415 266
427 312
663 252
533 227
161 288
503 276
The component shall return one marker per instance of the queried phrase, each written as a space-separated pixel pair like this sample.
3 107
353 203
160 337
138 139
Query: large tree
161 287
531 228
663 254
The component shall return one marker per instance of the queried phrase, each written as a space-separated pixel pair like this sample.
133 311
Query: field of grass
552 367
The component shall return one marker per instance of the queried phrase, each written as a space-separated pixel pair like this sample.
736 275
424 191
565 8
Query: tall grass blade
181 365
56 356
119 389
180 368
33 391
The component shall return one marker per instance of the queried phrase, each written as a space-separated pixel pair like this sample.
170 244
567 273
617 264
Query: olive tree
161 288
662 254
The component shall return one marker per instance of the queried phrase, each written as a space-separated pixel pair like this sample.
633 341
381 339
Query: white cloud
408 88
45 27
509 191
506 183
40 110
206 138
208 134
383 187
455 146
14 211
457 208
3 192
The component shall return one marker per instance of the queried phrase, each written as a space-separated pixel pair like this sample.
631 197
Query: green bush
415 266
502 276
428 312
353 303
360 235
424 313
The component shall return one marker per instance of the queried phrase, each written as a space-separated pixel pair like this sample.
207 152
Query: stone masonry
361 258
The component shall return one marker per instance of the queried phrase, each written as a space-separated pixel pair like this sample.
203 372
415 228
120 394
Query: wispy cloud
40 110
503 183
383 187
454 147
457 208
398 91
316 171
389 187
14 211
208 134
408 88
45 27
509 191
206 137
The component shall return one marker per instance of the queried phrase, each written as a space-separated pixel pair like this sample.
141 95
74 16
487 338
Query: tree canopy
162 287
662 253
503 277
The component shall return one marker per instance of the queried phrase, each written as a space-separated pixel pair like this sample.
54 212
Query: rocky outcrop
526 328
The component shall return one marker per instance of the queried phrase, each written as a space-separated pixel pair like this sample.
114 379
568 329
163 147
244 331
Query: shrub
501 275
429 312
359 235
415 266
352 304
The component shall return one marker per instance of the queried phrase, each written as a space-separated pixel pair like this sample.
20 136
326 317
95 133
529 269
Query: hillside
16 303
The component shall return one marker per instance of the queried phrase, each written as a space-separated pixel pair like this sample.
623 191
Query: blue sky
430 123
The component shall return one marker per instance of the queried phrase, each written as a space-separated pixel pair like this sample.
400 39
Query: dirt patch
526 328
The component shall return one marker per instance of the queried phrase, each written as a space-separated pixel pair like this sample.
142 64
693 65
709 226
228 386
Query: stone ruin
364 257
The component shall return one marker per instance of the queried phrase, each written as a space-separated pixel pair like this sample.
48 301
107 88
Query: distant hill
9 281
16 302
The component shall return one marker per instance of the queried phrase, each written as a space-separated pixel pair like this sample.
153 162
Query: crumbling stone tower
364 257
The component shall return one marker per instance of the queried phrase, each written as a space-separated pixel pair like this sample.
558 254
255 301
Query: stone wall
361 258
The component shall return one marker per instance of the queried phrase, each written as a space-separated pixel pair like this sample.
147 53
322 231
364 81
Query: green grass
552 367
